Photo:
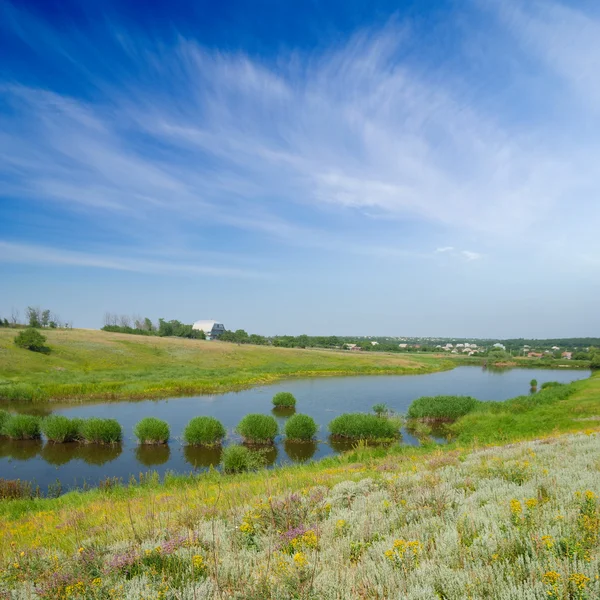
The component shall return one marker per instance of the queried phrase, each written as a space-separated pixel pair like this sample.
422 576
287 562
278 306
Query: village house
567 355
212 329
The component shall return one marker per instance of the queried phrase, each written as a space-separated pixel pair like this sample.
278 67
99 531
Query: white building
211 329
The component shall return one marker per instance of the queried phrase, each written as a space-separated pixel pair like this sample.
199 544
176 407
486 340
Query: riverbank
96 365
522 516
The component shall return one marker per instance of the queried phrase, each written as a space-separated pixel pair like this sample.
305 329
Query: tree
148 324
33 316
31 339
595 361
45 320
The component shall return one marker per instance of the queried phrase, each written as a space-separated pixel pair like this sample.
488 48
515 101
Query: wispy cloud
324 150
41 255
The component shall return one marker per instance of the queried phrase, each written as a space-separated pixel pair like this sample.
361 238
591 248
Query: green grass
22 427
151 430
101 431
238 459
61 429
4 416
300 428
258 429
284 400
204 431
86 365
362 426
441 408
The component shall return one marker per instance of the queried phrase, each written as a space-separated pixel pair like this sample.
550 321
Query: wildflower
198 561
551 578
548 541
300 559
22 554
80 550
531 503
579 580
247 528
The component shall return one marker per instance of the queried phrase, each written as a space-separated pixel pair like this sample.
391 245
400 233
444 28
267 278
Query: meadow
468 520
88 364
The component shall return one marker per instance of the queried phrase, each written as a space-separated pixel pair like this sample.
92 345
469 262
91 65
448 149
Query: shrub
60 429
22 427
151 430
361 426
300 428
442 408
533 383
285 399
204 431
31 339
101 431
258 429
236 459
549 384
4 416
380 409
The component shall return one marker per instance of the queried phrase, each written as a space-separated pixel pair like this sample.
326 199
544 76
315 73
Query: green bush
101 431
258 429
4 416
22 427
284 399
533 383
549 384
151 430
204 431
236 459
442 408
31 339
300 428
60 429
380 409
361 426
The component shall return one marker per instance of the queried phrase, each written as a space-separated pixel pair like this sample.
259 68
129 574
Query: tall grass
237 459
300 428
284 400
61 429
204 431
4 416
151 430
101 431
441 408
361 426
258 429
22 427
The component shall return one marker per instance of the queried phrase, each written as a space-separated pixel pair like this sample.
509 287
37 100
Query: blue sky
310 167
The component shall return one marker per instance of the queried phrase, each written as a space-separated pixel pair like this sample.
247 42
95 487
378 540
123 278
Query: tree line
36 317
137 325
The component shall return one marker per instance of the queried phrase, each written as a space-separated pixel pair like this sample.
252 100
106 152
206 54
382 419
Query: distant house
353 347
402 345
374 343
567 355
211 329
535 355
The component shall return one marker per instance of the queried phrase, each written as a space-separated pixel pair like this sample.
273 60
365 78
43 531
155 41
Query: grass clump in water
362 426
258 429
204 431
4 416
284 400
22 427
151 430
236 459
61 429
101 431
300 428
441 408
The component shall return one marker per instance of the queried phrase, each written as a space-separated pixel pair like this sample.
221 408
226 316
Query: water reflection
202 457
150 455
300 451
59 454
269 453
20 449
99 454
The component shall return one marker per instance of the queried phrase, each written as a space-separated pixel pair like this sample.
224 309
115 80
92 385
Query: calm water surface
323 399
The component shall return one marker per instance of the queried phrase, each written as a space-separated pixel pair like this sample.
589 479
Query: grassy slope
86 364
478 515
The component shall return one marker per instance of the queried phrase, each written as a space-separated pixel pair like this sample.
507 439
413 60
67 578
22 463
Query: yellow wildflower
300 559
551 577
579 580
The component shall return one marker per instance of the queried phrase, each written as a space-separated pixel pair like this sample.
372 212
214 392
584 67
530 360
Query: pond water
75 465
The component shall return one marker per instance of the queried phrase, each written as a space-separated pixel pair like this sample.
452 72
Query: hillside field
90 364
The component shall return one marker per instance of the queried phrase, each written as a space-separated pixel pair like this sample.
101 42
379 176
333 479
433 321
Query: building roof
206 326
